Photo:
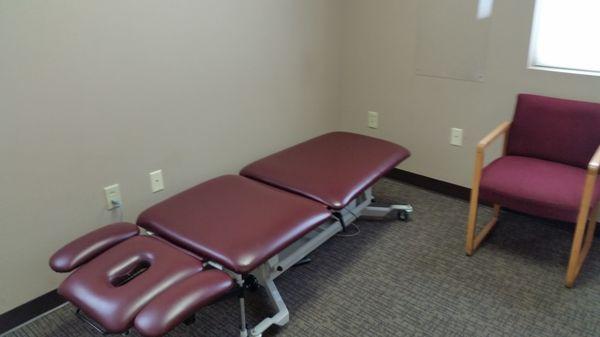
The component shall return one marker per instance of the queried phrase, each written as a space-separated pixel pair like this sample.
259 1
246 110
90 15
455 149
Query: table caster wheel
190 320
403 216
251 283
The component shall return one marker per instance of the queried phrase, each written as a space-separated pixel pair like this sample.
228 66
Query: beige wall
95 93
100 92
378 74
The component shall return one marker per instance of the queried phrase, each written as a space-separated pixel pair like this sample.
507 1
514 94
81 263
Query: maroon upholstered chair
548 169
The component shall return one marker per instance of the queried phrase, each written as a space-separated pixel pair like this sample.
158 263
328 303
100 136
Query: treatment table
231 233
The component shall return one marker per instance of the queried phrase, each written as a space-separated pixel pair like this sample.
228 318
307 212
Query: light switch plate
456 137
156 181
373 119
113 196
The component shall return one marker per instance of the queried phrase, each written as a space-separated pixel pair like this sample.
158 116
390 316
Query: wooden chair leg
474 206
485 231
582 242
474 239
472 223
589 237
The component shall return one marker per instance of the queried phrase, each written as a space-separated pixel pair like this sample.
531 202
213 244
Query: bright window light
485 9
566 36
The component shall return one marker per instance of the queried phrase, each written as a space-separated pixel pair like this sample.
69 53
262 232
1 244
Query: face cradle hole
133 272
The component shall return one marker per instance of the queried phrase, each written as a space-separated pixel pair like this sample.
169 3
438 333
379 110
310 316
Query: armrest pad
91 245
181 301
500 130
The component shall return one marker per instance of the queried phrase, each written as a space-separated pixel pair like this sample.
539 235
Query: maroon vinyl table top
234 221
332 169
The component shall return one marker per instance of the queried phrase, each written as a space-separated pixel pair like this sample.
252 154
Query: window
566 36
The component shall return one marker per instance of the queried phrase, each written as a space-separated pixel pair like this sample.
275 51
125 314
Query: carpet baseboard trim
30 310
431 184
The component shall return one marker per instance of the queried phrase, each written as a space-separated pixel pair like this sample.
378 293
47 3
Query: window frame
531 58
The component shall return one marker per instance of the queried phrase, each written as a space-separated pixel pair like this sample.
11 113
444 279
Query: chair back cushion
553 129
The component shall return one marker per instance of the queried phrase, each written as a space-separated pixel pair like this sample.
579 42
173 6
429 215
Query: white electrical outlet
113 196
156 181
456 137
373 120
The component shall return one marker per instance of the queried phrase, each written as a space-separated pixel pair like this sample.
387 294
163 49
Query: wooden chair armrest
594 164
487 140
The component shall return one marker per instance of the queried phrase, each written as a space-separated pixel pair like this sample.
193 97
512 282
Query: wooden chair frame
586 219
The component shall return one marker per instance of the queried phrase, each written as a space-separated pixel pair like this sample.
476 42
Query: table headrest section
114 287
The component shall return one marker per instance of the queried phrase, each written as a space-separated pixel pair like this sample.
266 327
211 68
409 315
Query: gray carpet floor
413 279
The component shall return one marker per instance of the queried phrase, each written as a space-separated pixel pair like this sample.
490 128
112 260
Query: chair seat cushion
537 187
103 290
332 169
234 221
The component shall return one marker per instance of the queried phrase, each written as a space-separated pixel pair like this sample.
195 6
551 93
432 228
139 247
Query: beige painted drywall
100 92
378 74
